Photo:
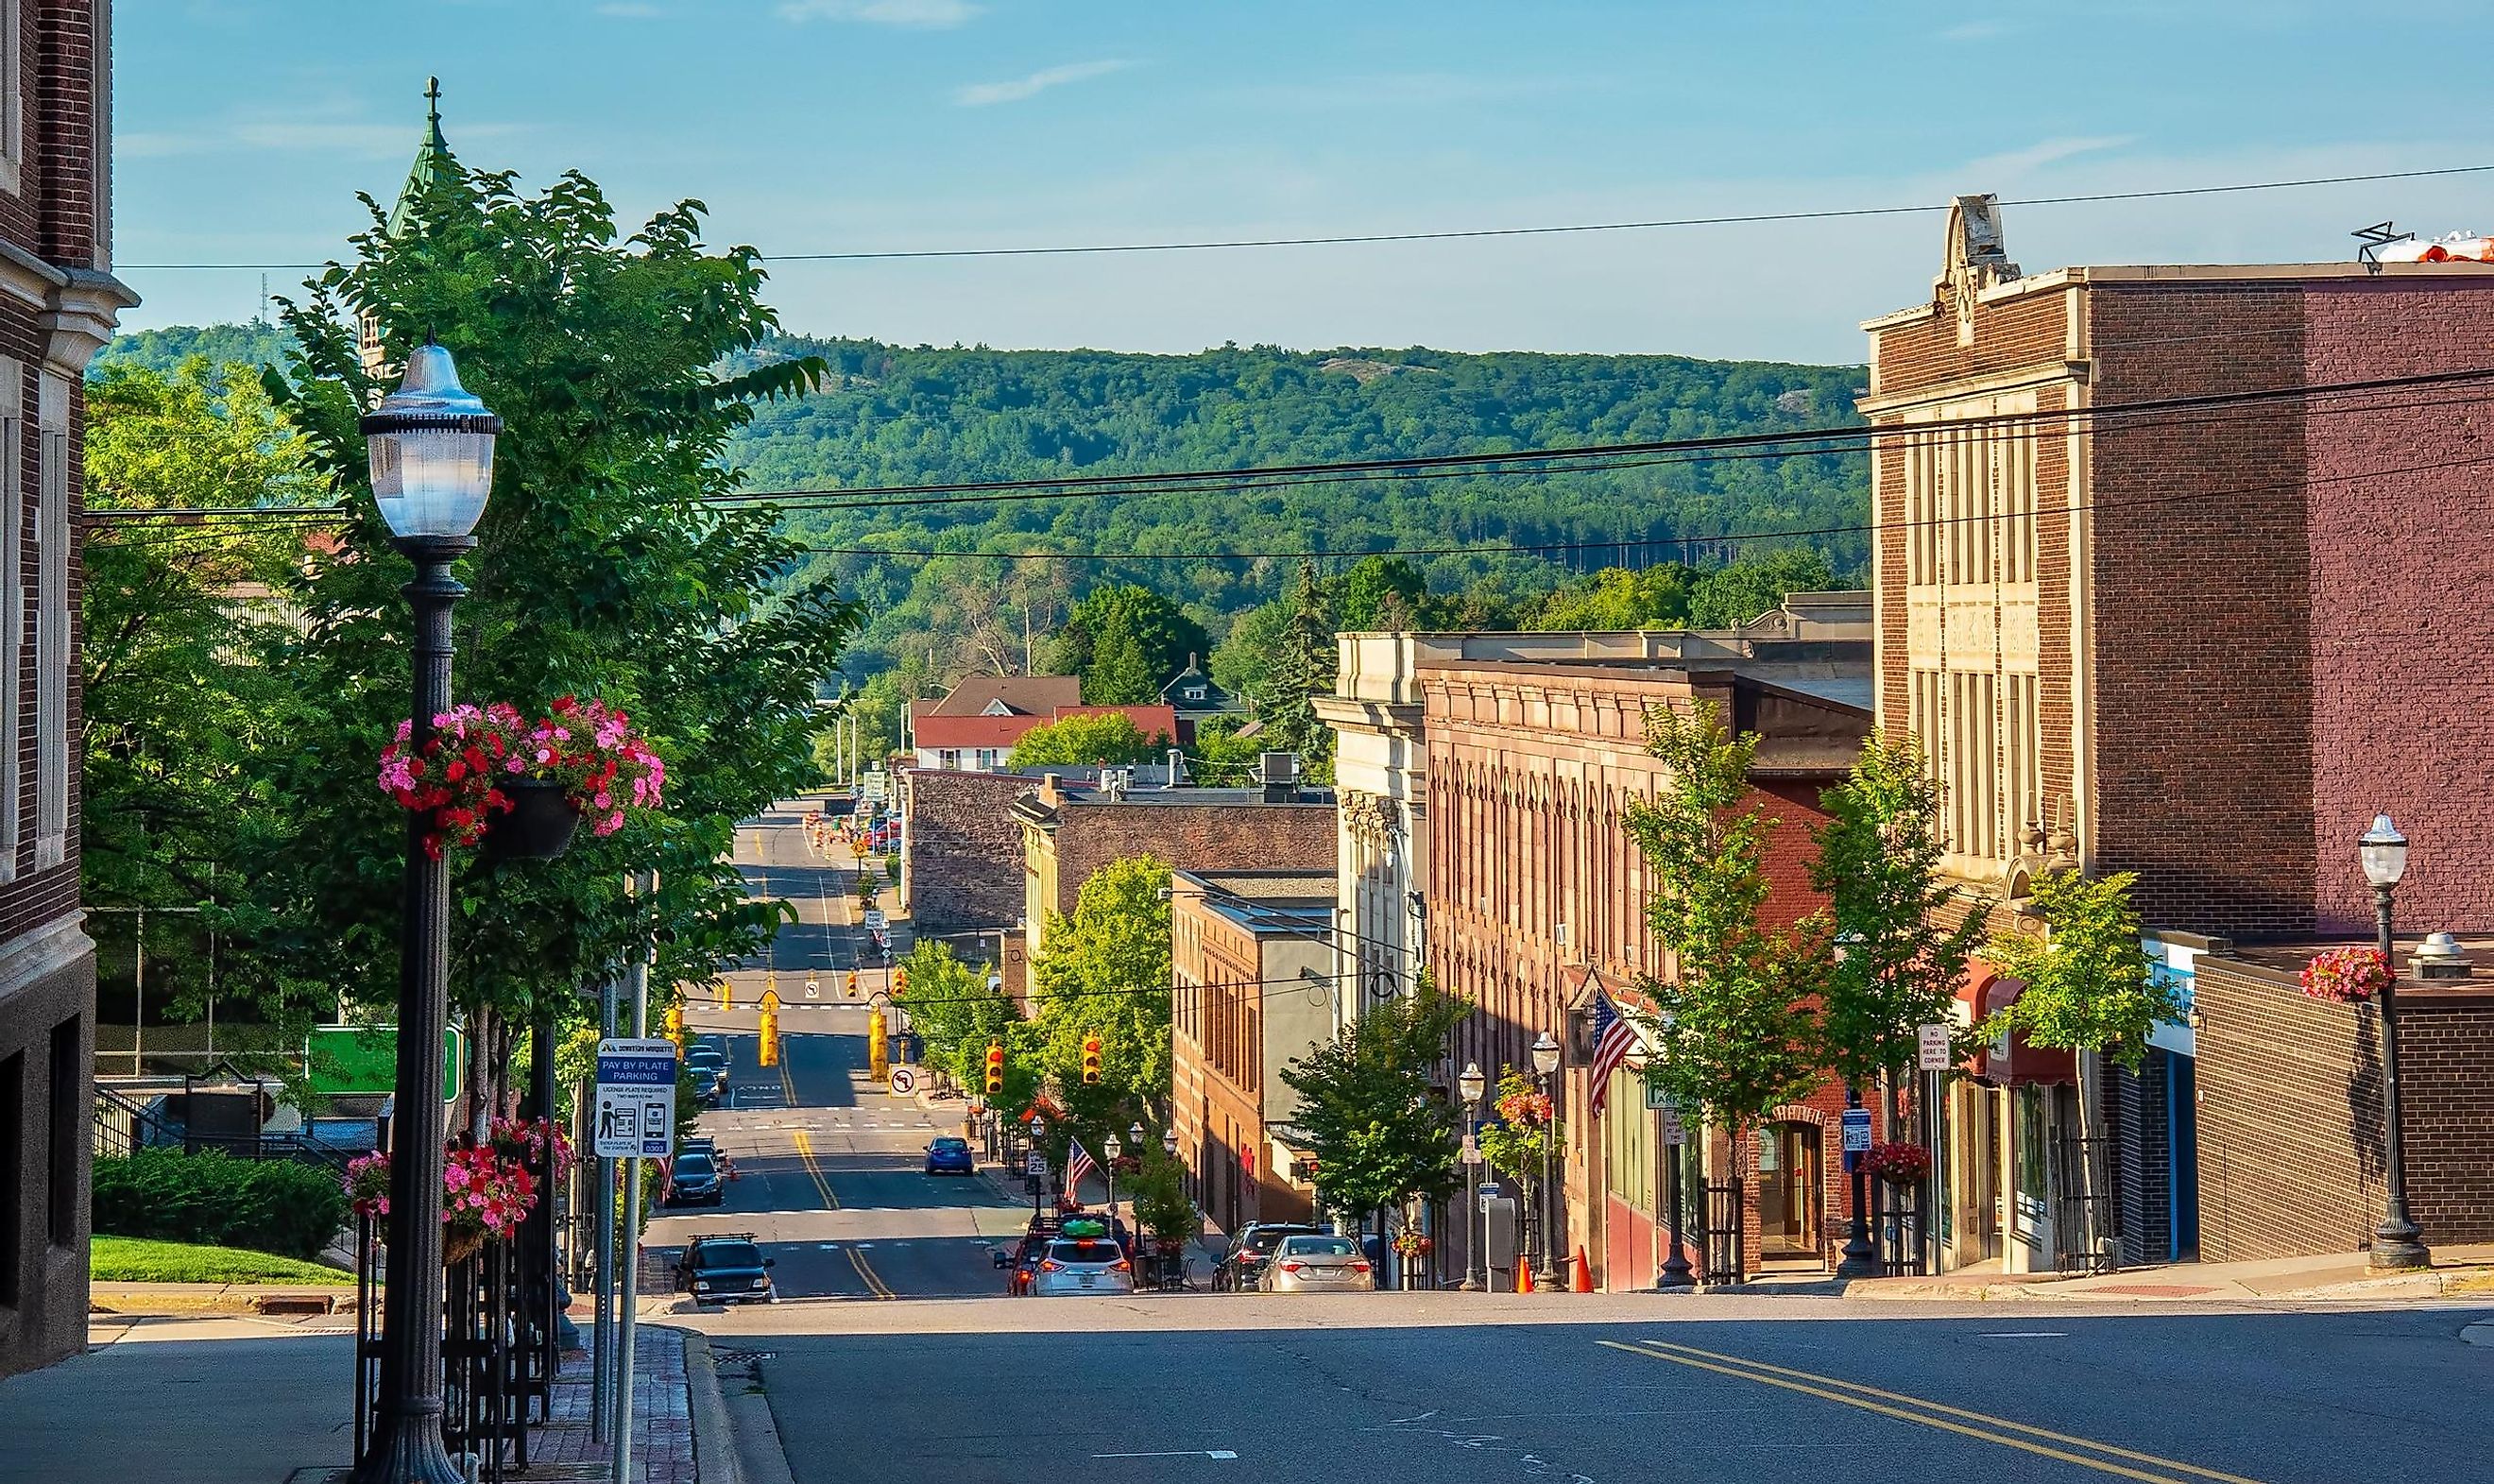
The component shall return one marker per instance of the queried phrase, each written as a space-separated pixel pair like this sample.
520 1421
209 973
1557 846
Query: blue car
951 1157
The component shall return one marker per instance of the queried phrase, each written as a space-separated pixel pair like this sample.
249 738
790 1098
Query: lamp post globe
2398 1242
1168 1142
1471 1084
430 448
1545 1054
1112 1147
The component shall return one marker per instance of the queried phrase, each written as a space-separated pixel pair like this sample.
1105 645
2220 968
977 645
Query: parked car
949 1156
708 1070
726 1268
693 1180
1316 1265
1253 1247
1086 1264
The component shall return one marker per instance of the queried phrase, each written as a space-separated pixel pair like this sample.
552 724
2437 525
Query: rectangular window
2018 503
2023 748
54 775
13 97
12 1174
68 1091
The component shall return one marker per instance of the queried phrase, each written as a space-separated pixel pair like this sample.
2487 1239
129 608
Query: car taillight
1359 1267
1292 1268
1051 1266
1121 1265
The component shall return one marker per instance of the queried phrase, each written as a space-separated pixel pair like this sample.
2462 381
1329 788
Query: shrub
268 1205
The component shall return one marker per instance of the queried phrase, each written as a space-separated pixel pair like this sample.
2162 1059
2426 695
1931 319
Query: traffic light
727 995
770 1037
676 1026
995 1068
852 983
899 982
1090 1061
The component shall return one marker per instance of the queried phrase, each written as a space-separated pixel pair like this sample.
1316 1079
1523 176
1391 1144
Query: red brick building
2178 573
1536 894
1242 946
58 300
975 725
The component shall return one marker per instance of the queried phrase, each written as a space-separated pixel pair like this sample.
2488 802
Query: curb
745 1420
713 1444
197 1300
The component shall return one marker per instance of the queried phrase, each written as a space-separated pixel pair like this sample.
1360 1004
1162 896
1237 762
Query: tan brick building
58 300
1252 965
2178 573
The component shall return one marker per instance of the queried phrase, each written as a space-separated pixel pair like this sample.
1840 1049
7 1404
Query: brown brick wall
2290 1117
961 864
1242 837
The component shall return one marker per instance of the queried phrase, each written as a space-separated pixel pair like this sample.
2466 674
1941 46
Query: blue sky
246 126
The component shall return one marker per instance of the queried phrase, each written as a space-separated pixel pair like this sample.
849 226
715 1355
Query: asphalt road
1724 1392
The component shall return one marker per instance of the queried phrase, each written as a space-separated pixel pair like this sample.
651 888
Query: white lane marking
1219 1453
2026 1334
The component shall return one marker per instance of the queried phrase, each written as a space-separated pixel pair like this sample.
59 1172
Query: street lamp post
2398 1244
431 451
1545 1063
1860 1257
1039 1181
1112 1147
1471 1084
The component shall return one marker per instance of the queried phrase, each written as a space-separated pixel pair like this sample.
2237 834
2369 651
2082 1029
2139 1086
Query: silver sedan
1316 1265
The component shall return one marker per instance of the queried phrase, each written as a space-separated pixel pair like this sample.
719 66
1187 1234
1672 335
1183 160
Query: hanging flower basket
1409 1243
537 826
459 1245
1899 1163
453 781
486 1195
2349 976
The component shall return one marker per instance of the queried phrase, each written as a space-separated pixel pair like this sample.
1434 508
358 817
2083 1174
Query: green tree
1125 642
602 567
1105 971
1080 740
1161 1204
1385 593
1879 866
2087 990
1302 670
1738 1023
1618 598
1730 596
1380 1138
954 1011
1243 662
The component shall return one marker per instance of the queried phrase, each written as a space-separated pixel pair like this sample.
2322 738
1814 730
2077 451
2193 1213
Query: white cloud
980 95
2020 162
918 15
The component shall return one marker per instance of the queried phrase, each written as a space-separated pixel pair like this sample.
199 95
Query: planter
458 1247
538 826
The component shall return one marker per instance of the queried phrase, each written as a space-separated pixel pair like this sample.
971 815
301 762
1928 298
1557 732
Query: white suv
1082 1265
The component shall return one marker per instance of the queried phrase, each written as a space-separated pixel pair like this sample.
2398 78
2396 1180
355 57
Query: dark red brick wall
964 848
2290 1117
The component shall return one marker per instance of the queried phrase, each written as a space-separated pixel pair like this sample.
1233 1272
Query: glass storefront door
1789 1197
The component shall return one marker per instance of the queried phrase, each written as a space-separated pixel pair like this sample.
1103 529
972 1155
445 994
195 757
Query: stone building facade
1535 897
58 300
2173 565
960 863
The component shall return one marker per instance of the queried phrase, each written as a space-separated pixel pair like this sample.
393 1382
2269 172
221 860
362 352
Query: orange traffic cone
1583 1275
1522 1277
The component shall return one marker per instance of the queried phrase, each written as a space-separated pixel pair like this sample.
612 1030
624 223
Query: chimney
1051 788
2440 957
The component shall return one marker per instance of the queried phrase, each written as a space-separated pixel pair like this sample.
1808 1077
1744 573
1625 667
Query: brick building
1252 963
961 860
1069 832
1535 897
58 300
975 725
2203 642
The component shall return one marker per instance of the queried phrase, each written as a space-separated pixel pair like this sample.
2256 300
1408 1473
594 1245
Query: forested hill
900 415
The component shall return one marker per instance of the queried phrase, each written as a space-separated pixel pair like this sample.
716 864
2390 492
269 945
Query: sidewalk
253 1401
2456 1270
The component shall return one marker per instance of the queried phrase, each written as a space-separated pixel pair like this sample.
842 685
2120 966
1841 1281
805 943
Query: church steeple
428 156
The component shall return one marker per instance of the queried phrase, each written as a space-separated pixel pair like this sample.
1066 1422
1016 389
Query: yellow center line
822 1183
2028 1429
1742 1370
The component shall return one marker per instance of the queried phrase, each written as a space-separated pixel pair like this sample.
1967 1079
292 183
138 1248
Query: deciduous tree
1105 971
1381 1137
1081 740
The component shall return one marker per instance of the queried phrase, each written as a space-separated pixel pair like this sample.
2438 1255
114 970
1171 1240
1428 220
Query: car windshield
1318 1246
952 1146
1083 1252
1263 1243
727 1254
695 1165
700 1059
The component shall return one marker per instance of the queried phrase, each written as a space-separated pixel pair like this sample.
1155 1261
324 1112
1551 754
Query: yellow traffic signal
900 980
995 1068
852 983
770 1039
676 1026
727 995
1090 1061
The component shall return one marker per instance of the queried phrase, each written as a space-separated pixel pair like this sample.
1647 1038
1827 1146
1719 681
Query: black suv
1252 1249
726 1268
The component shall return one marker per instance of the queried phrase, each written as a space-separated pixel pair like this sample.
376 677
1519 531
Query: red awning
2011 1062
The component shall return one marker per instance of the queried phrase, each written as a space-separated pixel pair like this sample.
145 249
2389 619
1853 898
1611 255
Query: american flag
1078 1168
1613 1038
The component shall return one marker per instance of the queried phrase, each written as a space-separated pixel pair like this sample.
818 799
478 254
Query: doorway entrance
1789 1195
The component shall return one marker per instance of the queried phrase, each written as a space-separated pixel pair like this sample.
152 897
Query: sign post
1931 1048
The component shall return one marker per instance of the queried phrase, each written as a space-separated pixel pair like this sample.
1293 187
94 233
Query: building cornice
2057 373
44 950
1343 711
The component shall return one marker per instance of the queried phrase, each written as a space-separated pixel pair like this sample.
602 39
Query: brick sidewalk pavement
662 1433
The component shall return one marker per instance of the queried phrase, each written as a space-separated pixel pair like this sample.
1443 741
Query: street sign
1857 1131
1472 1150
636 1099
904 1081
1035 1166
874 920
1658 1101
814 988
1488 1193
1675 1134
1931 1047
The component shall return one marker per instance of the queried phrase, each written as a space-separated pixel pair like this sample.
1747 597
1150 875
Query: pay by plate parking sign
636 1099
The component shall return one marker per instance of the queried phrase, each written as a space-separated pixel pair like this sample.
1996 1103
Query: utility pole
601 1358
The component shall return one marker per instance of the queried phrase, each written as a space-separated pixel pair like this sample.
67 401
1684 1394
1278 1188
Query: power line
1458 234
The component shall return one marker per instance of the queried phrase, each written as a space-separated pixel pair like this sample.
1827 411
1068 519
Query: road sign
1035 1165
636 1099
814 987
1472 1150
904 1081
1489 1191
1931 1047
875 920
1857 1131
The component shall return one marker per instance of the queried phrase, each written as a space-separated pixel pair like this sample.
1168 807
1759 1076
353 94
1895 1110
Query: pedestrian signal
1090 1061
995 1068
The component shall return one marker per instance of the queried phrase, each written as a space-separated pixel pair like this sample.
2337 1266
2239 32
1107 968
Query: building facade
961 850
1536 899
976 726
60 303
2163 552
1252 963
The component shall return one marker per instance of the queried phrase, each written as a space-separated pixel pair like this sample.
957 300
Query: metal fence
2086 1218
1726 1234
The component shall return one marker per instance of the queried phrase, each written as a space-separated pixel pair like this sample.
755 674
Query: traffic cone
1583 1274
1522 1277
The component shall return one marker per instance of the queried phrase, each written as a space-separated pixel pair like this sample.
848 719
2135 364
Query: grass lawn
132 1259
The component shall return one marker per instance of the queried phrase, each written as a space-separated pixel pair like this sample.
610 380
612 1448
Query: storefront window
2030 1144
